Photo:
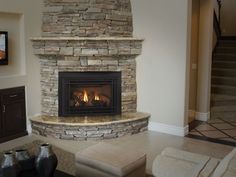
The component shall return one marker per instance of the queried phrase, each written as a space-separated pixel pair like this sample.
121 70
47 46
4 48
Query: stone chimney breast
87 18
87 36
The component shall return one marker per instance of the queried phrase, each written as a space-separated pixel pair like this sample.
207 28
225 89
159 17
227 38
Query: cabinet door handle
3 108
12 96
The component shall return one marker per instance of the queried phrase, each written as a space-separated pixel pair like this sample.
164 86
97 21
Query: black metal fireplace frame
67 78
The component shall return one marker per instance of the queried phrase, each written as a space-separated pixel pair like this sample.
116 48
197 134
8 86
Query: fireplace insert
89 93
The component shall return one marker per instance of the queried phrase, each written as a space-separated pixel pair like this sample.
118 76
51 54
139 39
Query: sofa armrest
227 166
209 167
177 163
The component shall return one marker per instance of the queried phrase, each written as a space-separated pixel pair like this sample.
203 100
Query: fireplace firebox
89 93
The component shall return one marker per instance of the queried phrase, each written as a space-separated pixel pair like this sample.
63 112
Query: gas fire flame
96 98
85 99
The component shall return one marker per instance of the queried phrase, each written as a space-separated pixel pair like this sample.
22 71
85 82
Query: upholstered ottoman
106 160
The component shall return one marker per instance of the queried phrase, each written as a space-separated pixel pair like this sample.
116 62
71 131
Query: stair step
222 44
226 90
223 103
224 64
223 109
222 100
228 50
224 57
223 72
220 97
230 81
225 115
227 41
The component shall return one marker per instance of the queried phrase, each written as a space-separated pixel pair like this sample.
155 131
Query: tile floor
217 130
152 143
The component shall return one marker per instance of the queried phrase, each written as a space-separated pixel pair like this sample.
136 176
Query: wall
204 59
228 17
12 23
194 58
22 19
161 68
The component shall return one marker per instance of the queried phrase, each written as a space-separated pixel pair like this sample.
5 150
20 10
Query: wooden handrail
217 26
219 10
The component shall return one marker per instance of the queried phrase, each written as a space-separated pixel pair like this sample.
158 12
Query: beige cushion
176 163
111 159
227 166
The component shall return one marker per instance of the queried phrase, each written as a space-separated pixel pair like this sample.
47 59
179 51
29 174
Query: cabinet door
14 117
13 111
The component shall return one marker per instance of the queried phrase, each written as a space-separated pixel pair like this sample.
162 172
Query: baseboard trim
168 129
202 116
28 124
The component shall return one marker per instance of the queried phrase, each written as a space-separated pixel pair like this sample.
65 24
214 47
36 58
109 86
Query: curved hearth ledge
90 128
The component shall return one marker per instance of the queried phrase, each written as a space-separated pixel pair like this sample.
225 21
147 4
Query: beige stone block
66 51
67 63
113 51
89 52
53 9
110 62
72 58
94 62
77 51
103 51
39 51
136 51
92 9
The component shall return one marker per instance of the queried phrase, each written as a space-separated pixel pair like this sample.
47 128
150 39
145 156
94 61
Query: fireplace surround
85 36
89 93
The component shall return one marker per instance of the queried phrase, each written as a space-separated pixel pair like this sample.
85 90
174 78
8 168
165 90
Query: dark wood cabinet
12 113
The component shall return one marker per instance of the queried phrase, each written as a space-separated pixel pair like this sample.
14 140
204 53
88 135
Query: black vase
25 160
9 166
46 161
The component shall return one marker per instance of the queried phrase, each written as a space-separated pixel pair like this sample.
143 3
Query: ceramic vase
25 160
22 154
9 166
46 161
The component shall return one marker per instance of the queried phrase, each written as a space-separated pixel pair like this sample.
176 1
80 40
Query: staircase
223 88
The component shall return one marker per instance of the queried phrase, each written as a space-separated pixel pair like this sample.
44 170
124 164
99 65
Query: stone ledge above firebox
86 38
87 46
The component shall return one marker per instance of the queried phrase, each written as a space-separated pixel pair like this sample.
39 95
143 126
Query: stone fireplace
87 38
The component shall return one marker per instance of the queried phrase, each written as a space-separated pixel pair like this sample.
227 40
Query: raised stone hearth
90 128
88 36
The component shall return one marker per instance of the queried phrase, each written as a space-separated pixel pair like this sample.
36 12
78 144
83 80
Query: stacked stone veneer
87 35
86 55
92 132
90 18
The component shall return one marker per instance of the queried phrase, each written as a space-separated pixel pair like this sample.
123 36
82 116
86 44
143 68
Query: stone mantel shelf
86 39
87 46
